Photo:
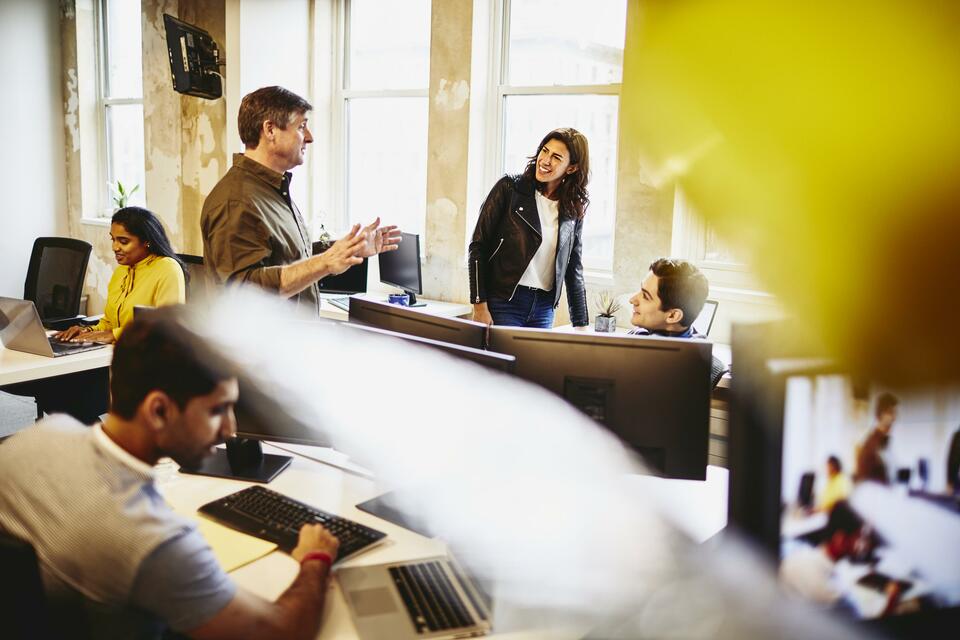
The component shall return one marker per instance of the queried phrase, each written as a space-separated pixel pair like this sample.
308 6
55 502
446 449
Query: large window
120 103
561 66
385 76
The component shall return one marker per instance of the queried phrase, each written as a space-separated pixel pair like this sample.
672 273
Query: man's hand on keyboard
313 537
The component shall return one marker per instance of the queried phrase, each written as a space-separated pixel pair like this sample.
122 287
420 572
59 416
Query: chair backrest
717 369
55 276
201 284
805 492
23 609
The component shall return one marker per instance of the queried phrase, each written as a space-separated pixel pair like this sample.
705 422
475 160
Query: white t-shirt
541 272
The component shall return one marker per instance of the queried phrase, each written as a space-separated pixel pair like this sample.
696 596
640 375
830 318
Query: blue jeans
529 308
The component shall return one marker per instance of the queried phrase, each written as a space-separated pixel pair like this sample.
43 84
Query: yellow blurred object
823 139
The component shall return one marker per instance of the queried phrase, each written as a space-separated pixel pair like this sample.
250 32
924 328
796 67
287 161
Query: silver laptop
704 321
21 330
426 598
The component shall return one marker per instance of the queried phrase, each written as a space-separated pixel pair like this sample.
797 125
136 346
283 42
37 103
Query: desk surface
17 366
327 488
433 307
331 489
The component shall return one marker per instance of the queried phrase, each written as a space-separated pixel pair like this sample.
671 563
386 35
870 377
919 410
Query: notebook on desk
21 330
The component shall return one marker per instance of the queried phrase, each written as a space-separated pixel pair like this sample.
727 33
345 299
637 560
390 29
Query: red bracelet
317 555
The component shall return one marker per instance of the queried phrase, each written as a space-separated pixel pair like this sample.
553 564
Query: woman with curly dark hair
528 238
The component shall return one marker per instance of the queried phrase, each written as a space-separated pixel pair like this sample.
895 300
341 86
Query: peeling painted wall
203 137
184 137
451 35
161 121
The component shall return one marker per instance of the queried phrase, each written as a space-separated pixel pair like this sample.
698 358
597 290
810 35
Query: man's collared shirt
690 332
251 229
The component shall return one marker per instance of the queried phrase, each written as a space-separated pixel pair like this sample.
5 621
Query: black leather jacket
505 240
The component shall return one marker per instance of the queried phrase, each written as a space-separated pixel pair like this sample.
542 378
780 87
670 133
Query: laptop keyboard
266 514
429 597
68 347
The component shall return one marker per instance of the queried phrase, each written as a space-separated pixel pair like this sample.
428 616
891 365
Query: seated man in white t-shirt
86 499
670 298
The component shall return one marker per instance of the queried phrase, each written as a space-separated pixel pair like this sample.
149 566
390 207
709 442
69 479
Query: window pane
124 74
387 163
528 118
125 148
717 250
389 45
566 42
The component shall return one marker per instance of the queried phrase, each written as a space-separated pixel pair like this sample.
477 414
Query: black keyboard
266 514
429 597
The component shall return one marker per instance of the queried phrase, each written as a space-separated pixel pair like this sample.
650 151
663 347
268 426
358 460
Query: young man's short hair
680 285
153 355
269 103
886 401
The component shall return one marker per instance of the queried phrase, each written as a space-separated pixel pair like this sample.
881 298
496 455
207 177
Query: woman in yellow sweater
150 274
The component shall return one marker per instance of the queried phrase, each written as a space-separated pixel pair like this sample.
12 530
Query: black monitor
791 411
261 415
351 281
393 317
653 393
194 59
401 268
497 361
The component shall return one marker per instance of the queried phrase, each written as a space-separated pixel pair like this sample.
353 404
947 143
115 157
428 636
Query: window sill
96 222
599 278
734 294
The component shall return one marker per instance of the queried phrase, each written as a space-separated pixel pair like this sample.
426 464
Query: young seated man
108 544
670 299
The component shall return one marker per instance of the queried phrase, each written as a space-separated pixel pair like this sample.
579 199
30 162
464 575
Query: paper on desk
232 548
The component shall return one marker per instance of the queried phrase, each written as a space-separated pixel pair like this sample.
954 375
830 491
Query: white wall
32 169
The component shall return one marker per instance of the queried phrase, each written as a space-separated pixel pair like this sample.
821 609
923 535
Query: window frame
105 169
342 95
690 242
501 90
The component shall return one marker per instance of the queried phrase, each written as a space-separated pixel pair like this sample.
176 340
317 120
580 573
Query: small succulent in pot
607 307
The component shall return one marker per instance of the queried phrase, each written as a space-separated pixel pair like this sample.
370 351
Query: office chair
23 604
199 283
805 493
717 369
55 277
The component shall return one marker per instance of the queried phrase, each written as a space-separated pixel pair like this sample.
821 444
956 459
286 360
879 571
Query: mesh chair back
55 276
200 285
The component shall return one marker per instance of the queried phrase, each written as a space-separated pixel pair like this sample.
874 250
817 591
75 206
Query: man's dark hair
842 518
269 103
153 355
680 286
834 461
885 402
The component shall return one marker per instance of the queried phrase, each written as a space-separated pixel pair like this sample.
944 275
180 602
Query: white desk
433 307
326 488
17 366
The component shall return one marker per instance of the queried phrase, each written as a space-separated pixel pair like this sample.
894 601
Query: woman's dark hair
572 192
148 229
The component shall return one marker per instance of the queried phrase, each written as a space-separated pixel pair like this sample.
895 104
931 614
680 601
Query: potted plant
607 307
122 194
